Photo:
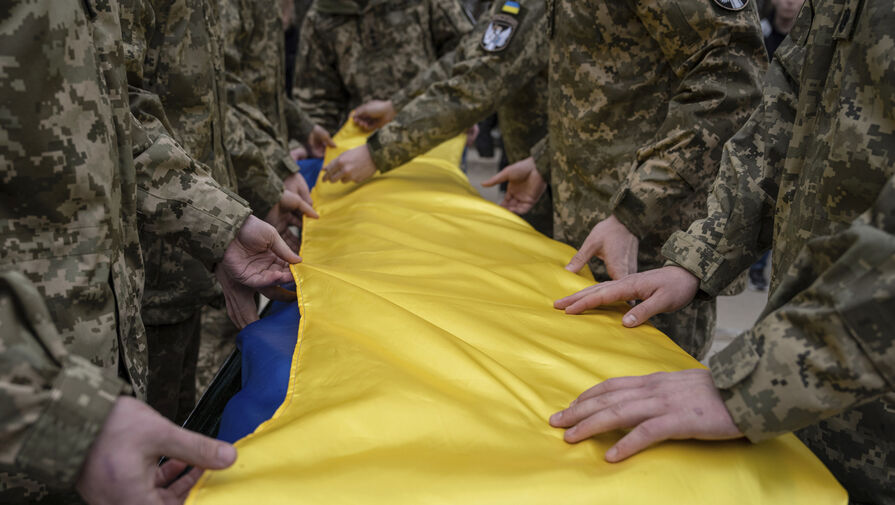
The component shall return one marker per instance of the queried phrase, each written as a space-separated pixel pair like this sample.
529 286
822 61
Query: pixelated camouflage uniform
642 96
512 81
175 69
354 51
812 175
72 281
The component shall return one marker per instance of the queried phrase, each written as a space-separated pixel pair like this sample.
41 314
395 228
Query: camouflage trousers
217 342
858 447
18 488
173 352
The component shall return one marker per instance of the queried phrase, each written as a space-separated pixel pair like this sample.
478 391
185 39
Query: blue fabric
310 169
267 347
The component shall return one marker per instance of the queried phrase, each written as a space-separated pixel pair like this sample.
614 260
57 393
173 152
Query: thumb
194 449
642 312
499 177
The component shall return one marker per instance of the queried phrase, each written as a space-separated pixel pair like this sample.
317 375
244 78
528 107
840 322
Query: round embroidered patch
732 5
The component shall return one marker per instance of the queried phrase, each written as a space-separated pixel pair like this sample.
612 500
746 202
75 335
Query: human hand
374 114
122 465
354 165
664 289
287 212
471 133
257 259
661 406
610 241
318 140
299 153
524 185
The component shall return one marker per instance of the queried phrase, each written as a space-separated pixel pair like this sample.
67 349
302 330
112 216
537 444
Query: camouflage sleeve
298 123
256 181
739 224
252 162
825 342
176 196
437 71
719 59
478 84
541 155
449 23
318 86
52 404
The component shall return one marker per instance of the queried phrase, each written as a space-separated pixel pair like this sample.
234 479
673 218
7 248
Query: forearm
53 403
825 346
719 85
739 222
257 182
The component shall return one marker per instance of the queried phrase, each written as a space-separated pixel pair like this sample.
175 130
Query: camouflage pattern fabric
173 358
55 403
512 81
70 267
176 72
218 340
640 106
255 53
812 175
351 52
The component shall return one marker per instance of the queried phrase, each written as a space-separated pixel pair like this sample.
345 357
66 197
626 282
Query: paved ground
735 313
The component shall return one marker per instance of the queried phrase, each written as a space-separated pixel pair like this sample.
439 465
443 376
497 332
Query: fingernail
226 454
629 320
611 454
555 418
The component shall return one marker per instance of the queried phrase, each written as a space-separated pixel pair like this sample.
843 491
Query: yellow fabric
430 358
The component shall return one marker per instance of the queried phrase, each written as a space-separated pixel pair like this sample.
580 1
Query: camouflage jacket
511 79
256 135
353 51
642 96
70 267
71 207
812 174
175 72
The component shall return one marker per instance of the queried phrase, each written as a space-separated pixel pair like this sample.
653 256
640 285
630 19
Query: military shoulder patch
732 5
510 7
499 33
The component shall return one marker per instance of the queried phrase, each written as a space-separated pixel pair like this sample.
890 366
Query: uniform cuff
400 100
285 167
81 398
630 212
378 153
541 155
698 258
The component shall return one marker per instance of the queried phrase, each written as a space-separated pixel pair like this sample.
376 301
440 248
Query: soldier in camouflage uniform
812 176
71 275
354 51
640 107
257 140
511 77
176 72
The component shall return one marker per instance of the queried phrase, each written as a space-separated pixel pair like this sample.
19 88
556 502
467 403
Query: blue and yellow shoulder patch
510 7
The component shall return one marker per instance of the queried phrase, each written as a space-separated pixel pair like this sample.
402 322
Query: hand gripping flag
429 359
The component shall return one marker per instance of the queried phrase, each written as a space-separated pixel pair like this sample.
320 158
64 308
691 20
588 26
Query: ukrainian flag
511 8
429 358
